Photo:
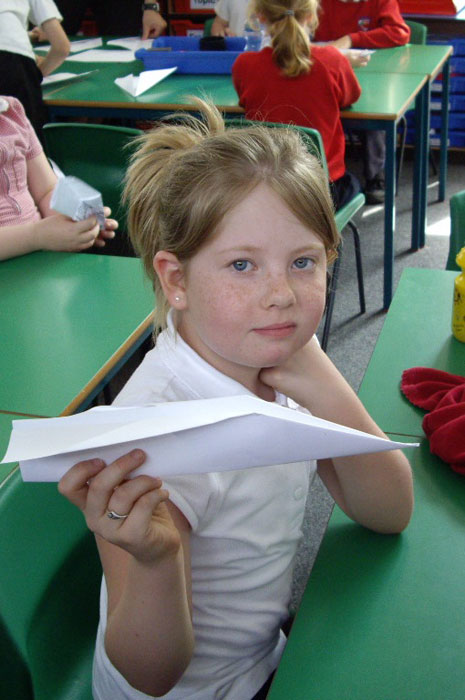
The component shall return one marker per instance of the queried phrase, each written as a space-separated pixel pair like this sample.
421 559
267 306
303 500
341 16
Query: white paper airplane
180 437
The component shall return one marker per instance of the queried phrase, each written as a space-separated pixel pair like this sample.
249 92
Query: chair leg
330 302
432 161
358 262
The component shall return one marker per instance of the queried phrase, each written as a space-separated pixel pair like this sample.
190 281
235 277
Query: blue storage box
184 53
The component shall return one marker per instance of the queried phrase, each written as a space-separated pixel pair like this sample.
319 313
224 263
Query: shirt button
298 493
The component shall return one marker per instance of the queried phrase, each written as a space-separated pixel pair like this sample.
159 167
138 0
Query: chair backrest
49 589
96 153
457 228
418 32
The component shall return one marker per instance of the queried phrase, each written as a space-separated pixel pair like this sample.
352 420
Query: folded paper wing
184 437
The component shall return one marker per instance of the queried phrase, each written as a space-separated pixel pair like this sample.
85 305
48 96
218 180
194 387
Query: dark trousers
374 153
20 78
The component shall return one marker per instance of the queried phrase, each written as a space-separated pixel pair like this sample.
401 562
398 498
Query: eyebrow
253 249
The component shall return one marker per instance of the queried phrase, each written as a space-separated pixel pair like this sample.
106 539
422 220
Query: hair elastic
289 13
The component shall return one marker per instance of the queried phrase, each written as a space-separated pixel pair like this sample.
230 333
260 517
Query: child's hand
108 232
58 232
37 34
357 59
147 532
294 378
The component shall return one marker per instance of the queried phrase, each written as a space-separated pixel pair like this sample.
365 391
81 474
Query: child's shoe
374 190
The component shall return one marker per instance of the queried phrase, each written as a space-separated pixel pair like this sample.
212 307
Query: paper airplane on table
137 84
181 437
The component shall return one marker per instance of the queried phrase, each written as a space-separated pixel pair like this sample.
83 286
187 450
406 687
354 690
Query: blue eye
240 265
303 263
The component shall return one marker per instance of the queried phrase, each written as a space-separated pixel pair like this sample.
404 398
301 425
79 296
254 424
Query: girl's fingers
103 485
125 496
74 484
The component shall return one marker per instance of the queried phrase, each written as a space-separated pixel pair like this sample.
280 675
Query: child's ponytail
290 41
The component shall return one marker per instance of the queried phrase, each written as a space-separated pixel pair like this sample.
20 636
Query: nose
278 291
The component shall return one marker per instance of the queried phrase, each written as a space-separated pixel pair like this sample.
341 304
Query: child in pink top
27 222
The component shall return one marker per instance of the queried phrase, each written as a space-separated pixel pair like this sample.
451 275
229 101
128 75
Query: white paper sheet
133 43
102 56
137 84
65 77
181 437
75 46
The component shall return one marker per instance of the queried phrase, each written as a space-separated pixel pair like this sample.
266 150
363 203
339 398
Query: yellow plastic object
458 312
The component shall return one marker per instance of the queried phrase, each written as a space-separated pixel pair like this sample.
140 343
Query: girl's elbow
169 677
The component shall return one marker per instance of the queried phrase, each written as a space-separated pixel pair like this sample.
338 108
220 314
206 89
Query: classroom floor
353 336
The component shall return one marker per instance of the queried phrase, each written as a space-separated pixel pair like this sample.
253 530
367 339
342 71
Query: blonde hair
185 177
290 41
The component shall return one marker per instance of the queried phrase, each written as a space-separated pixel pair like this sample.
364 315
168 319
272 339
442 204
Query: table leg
420 171
389 210
444 131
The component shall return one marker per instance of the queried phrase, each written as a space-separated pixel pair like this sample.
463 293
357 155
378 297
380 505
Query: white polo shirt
246 526
14 18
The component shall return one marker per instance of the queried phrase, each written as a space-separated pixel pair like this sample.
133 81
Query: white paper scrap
133 43
75 46
102 56
137 84
65 77
184 437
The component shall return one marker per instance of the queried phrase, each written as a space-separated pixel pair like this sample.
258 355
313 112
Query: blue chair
313 141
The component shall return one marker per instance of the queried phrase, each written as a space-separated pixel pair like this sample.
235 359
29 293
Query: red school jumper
371 24
311 99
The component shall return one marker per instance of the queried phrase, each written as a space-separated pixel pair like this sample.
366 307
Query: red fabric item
371 24
425 387
444 395
311 99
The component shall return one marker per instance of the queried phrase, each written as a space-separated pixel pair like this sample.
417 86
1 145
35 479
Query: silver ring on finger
115 516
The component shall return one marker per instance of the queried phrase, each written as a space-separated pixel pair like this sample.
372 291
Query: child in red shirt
293 83
365 24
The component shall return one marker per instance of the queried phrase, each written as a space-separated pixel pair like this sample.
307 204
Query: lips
277 330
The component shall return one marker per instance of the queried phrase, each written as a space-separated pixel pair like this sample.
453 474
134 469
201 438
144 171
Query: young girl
27 223
22 72
290 82
235 229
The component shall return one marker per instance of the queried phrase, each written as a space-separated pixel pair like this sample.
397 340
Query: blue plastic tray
184 53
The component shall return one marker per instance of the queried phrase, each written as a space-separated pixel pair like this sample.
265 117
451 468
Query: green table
416 333
68 322
382 617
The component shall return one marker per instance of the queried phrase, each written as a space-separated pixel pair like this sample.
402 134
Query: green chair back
418 32
49 591
96 153
457 229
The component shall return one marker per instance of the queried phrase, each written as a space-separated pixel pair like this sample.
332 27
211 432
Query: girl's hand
357 59
108 232
294 378
58 232
147 532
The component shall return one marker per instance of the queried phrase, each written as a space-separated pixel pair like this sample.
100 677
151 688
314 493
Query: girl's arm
60 46
54 231
220 27
376 490
146 562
